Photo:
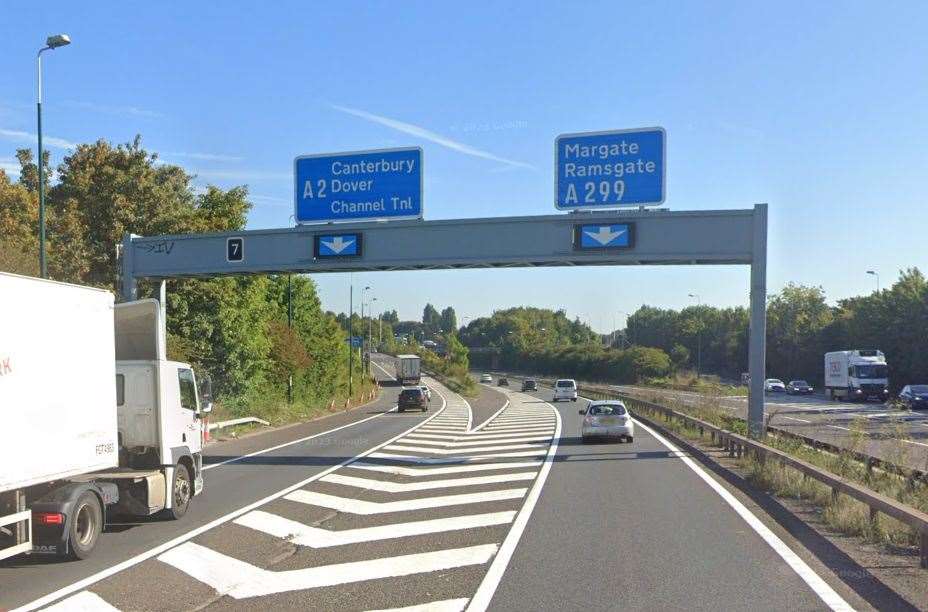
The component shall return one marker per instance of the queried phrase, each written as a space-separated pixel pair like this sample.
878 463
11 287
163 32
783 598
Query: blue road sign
337 245
356 341
605 170
611 236
383 184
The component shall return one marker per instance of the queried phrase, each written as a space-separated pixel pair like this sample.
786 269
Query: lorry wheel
86 525
181 490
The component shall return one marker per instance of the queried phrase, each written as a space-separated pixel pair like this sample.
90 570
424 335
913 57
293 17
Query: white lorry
408 369
856 375
96 422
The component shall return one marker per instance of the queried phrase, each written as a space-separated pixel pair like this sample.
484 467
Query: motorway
900 436
447 511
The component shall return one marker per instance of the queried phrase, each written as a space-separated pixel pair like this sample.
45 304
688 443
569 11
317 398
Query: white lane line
359 506
238 579
838 427
315 537
400 470
795 419
406 487
445 605
459 451
380 367
157 550
808 575
451 443
85 601
481 599
492 416
912 442
526 429
456 459
475 439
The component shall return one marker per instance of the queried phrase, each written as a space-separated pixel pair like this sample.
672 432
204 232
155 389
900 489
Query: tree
449 320
431 320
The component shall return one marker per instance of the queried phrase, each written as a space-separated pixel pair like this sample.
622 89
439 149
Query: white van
565 389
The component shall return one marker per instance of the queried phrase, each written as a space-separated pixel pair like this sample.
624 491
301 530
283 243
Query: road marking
315 537
440 460
458 451
238 579
152 552
481 599
406 487
808 575
492 416
476 438
795 419
455 442
400 470
838 427
360 506
446 605
85 601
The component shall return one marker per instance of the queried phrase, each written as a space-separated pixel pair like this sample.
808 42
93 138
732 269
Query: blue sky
819 109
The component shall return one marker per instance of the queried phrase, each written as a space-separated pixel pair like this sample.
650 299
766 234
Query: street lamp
877 275
698 337
52 42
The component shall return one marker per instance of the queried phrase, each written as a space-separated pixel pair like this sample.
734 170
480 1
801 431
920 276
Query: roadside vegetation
235 329
705 385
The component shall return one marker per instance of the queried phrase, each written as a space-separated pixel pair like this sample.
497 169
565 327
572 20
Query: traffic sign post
604 170
362 185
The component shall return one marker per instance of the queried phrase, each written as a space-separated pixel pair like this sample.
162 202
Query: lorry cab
856 375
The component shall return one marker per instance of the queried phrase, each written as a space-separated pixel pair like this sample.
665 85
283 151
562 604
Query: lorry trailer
98 422
856 375
408 369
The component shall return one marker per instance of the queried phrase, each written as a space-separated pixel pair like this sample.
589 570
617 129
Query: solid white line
380 367
157 550
472 442
315 537
795 419
445 605
492 416
808 575
459 451
359 506
459 459
400 470
406 487
474 437
481 599
85 601
238 579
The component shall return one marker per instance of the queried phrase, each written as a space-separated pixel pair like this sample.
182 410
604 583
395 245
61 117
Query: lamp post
52 42
698 337
877 275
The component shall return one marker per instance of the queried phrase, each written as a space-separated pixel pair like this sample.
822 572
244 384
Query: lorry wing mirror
206 394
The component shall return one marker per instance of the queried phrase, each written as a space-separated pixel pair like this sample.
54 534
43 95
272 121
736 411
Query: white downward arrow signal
604 235
339 244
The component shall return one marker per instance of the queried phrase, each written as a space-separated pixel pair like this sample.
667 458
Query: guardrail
242 421
738 445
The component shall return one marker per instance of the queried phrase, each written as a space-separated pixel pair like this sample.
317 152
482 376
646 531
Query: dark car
529 385
798 387
502 382
413 398
915 397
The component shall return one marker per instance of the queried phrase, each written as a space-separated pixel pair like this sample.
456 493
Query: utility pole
290 328
350 337
698 336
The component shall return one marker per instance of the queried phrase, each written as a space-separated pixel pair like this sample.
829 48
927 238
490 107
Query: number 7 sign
235 249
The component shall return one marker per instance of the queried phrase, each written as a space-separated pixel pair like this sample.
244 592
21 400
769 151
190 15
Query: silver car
607 418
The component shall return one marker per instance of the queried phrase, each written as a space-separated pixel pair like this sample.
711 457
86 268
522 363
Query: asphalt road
438 511
896 435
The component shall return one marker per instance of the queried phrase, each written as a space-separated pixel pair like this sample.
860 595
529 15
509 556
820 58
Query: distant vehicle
427 391
799 387
856 375
914 397
408 369
529 385
565 389
774 385
486 378
412 398
607 418
502 382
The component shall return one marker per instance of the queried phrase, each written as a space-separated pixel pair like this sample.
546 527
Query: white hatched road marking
238 579
406 487
445 605
359 506
457 451
85 601
439 460
315 537
457 443
482 438
400 470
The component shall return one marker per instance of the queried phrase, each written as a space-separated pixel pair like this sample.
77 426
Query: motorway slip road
512 514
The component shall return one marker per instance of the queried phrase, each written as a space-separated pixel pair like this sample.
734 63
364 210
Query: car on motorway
914 397
799 387
412 398
427 391
607 418
486 378
529 385
565 389
502 382
774 385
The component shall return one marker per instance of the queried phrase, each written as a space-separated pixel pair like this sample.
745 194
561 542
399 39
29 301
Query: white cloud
10 166
133 111
272 201
421 132
47 141
242 175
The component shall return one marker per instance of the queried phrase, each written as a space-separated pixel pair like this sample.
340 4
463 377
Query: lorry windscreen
871 371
